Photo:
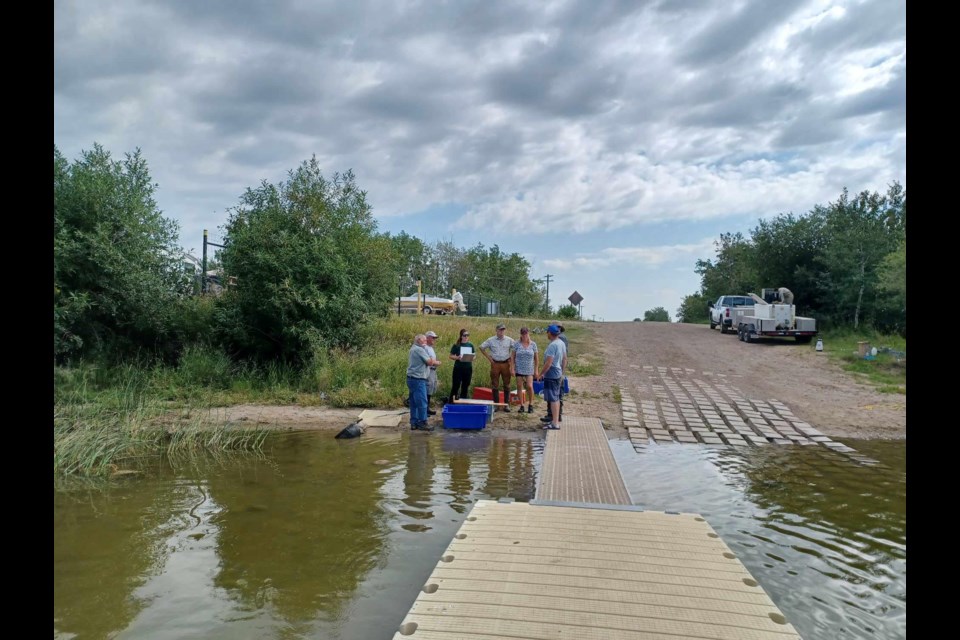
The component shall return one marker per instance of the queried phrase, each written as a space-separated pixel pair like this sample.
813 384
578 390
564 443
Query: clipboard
468 356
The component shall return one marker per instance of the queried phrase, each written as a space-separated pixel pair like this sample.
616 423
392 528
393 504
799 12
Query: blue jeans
418 400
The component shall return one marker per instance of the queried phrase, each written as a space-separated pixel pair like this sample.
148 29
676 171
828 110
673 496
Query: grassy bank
108 422
107 418
887 371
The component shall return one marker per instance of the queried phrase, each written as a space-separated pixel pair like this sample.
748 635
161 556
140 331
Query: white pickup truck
727 311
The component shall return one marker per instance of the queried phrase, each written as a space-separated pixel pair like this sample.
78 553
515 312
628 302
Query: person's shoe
546 419
551 427
529 408
507 409
431 412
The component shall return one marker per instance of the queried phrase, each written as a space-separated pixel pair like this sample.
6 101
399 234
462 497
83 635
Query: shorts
551 389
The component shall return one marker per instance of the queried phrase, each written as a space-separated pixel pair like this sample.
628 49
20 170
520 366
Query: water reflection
333 539
320 538
825 536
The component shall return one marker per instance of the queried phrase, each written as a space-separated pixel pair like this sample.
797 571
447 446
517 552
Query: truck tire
740 333
747 333
723 329
713 325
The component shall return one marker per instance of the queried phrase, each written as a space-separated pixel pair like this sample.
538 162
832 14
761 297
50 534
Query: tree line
311 267
845 262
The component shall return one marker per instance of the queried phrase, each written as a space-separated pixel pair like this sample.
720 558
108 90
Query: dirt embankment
638 356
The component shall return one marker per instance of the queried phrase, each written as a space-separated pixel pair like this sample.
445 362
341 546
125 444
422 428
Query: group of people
508 358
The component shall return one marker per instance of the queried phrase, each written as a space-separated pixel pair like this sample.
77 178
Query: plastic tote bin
538 386
466 416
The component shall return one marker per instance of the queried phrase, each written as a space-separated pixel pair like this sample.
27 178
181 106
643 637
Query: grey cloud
559 79
722 40
864 25
811 127
87 50
728 102
891 98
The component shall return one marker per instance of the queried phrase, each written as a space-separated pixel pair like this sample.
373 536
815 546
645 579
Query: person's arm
455 356
427 360
547 362
536 361
513 359
563 367
484 351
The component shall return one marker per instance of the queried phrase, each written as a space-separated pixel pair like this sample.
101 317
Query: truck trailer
775 316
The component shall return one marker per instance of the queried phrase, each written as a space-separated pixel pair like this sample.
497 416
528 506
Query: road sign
575 298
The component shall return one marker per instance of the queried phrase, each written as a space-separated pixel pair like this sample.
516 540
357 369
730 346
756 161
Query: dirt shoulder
640 356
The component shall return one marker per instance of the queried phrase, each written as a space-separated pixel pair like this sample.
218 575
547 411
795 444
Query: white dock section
519 570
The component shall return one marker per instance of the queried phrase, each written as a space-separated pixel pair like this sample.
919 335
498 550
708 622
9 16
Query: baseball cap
501 326
554 329
431 334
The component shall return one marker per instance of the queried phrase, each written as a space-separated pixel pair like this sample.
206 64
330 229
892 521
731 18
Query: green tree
860 232
567 312
733 272
118 272
658 314
892 287
309 264
693 309
785 249
410 254
498 276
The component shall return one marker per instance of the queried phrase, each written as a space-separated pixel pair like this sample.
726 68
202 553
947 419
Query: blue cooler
538 386
467 416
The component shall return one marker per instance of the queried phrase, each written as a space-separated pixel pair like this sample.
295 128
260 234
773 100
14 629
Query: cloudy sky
610 143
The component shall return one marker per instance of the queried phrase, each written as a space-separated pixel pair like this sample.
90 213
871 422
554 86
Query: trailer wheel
804 339
740 334
427 310
747 333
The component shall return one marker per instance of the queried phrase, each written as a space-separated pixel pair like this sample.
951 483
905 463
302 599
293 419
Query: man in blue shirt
566 347
554 364
418 370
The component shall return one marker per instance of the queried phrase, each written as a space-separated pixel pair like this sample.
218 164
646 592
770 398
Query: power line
547 278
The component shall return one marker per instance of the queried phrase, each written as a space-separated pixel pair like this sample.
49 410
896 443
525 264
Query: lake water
320 538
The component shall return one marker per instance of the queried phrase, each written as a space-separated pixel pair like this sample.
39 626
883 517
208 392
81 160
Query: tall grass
109 418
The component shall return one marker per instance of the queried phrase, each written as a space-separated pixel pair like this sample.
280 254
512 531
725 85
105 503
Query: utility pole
203 276
547 278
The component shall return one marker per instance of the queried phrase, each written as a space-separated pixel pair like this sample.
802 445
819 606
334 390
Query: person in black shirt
462 370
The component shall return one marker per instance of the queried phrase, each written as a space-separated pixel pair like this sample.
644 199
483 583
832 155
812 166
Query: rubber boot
430 412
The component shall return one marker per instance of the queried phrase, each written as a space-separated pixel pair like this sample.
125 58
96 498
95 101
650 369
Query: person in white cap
497 350
432 374
418 364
